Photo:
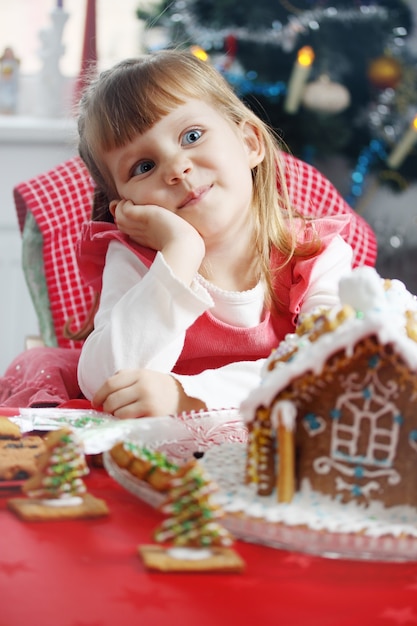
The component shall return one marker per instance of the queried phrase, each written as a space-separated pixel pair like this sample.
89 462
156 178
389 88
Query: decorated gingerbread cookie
57 490
193 537
18 453
151 466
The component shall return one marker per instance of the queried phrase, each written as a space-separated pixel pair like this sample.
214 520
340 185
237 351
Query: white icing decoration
341 485
190 554
364 291
323 465
284 412
316 511
65 501
318 428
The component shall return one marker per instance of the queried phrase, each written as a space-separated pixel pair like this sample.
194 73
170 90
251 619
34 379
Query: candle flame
414 123
199 53
305 56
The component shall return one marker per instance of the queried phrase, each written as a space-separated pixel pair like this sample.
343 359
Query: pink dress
209 342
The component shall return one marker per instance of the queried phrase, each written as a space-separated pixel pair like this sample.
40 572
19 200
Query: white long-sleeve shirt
144 314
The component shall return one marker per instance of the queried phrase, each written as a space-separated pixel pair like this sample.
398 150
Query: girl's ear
112 207
254 144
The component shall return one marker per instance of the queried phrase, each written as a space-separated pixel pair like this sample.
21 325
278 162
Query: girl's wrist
184 256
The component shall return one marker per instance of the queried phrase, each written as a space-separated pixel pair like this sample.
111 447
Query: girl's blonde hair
136 93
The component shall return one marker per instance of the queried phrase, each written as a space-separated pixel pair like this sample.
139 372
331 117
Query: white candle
299 76
403 147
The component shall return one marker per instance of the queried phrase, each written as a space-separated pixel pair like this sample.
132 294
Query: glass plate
221 436
180 438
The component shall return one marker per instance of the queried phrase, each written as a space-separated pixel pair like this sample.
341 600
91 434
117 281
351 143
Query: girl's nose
177 169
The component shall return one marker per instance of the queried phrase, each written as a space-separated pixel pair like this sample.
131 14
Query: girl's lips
194 196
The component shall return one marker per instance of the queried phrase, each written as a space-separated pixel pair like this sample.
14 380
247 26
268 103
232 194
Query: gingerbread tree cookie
196 539
60 469
192 513
57 490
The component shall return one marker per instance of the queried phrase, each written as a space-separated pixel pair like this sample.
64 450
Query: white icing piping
190 554
323 465
64 501
284 412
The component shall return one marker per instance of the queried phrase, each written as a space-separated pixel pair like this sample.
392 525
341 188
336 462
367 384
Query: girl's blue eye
192 136
143 168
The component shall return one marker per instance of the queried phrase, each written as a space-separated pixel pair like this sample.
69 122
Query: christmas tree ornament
368 157
298 79
325 96
403 148
230 45
384 72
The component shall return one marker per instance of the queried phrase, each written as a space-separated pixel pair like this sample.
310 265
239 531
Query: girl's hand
143 393
150 225
157 228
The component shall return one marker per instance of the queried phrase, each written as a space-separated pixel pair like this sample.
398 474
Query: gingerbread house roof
370 306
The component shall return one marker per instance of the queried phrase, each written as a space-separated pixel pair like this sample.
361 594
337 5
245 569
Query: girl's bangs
143 103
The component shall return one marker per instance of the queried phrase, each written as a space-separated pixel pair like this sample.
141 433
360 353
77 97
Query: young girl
206 267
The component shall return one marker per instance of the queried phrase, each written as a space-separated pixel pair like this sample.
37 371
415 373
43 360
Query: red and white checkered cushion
313 194
61 201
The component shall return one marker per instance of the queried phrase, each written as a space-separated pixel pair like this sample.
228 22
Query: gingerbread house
337 408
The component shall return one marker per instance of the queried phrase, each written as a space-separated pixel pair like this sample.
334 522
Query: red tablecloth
88 573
